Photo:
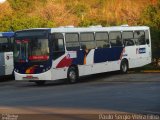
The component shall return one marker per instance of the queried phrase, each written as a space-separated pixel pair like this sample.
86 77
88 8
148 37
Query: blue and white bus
6 53
68 52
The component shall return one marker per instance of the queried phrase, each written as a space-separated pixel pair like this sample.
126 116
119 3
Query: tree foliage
151 17
45 13
23 14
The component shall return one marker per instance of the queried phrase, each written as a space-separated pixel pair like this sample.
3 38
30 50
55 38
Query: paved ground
102 93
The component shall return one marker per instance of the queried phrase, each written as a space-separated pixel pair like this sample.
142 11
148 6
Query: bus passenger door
58 49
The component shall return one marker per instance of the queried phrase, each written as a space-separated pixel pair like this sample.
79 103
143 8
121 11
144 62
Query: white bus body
6 53
74 52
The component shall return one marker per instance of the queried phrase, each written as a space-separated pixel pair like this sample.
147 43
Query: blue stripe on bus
107 54
7 34
80 58
100 55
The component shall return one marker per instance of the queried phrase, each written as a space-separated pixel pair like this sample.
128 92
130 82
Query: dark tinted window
58 45
127 35
139 37
147 36
87 41
58 42
72 41
5 45
115 39
32 33
87 37
102 40
128 38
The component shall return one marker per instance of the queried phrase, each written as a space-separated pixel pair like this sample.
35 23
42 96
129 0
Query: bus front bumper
28 77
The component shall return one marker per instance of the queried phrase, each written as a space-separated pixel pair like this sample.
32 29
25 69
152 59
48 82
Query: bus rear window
5 46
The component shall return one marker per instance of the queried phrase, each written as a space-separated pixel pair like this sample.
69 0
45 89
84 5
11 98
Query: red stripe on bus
65 62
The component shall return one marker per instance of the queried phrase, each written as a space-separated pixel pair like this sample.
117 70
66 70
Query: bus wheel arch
124 65
73 74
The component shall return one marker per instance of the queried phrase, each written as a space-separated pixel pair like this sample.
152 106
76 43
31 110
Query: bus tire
40 83
124 66
72 75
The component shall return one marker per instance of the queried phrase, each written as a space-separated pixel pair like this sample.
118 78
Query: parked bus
6 53
69 52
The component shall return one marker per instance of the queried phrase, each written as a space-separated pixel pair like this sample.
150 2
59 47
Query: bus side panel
143 55
132 56
2 64
60 67
101 60
137 55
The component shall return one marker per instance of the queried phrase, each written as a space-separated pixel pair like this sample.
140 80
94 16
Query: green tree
30 22
19 22
151 17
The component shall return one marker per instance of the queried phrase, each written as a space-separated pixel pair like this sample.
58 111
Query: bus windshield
31 48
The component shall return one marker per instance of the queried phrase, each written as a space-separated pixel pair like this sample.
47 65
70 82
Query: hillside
22 14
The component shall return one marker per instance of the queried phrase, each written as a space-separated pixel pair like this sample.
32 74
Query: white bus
6 53
69 52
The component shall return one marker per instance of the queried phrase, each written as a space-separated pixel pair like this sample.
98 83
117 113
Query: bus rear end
6 53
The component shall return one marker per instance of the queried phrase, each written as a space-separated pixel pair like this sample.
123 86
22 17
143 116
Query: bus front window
31 49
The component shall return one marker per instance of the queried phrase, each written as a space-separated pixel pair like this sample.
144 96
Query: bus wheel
40 83
124 66
72 75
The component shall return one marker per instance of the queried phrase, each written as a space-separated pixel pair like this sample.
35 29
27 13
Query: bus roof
99 29
91 28
6 34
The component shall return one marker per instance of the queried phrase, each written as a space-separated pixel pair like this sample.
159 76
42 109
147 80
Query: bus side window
128 42
139 37
58 45
87 41
115 39
72 41
128 38
102 39
5 45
